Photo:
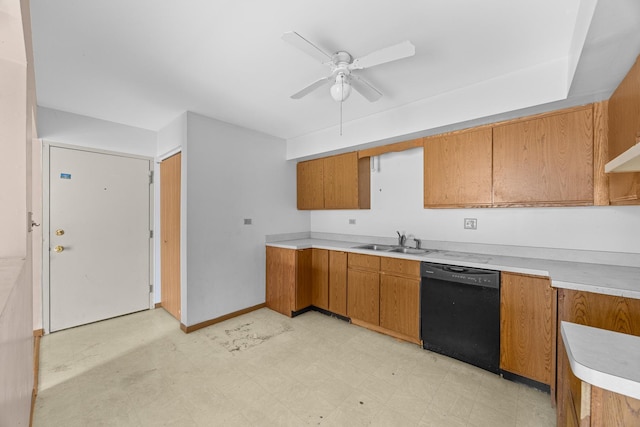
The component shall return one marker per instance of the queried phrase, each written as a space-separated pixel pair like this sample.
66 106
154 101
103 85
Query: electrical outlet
470 223
352 221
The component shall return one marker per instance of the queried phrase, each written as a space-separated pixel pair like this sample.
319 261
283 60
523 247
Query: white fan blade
296 40
313 86
387 54
365 89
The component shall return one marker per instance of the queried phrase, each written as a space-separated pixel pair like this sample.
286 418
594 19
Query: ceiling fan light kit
342 65
341 89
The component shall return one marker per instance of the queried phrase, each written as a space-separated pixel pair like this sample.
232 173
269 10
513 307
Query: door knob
58 249
59 232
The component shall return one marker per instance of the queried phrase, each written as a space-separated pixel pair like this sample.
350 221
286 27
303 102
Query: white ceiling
144 62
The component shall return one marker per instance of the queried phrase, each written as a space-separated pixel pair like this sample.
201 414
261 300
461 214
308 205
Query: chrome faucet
418 243
401 239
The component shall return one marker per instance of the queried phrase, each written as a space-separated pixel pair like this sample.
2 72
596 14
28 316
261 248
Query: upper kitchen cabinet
545 161
336 182
310 187
624 133
457 169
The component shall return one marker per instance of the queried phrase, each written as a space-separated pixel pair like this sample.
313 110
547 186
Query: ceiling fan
343 66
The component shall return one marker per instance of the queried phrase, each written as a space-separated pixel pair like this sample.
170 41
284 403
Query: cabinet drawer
366 262
402 267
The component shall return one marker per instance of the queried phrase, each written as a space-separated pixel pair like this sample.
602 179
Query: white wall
233 173
16 318
172 136
13 167
397 204
74 129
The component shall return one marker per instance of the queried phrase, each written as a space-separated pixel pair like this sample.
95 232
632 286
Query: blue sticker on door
65 176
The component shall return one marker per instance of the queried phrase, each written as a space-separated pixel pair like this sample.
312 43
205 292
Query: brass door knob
58 249
59 232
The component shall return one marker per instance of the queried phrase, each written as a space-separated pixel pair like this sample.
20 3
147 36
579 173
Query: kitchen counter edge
605 359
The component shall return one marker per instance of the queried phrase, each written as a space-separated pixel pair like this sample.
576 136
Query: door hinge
150 177
150 289
151 234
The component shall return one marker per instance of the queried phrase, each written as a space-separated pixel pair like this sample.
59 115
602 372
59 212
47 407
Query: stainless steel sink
413 251
375 247
391 248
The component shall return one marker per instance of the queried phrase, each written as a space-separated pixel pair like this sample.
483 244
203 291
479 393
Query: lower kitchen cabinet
400 305
384 295
527 327
338 282
320 278
605 312
400 297
288 281
329 280
363 296
363 288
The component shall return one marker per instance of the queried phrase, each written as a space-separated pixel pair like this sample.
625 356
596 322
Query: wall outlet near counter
470 223
352 221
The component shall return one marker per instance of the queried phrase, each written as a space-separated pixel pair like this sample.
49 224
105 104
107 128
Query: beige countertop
598 278
606 359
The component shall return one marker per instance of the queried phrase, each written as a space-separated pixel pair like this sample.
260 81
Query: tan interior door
99 254
170 233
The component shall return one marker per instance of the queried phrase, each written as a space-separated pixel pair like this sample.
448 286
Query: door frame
46 149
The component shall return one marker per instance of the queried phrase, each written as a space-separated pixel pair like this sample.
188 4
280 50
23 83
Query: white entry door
99 226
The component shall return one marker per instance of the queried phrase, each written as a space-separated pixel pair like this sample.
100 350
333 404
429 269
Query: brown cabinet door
363 295
303 282
544 161
457 169
338 282
400 305
310 187
364 262
281 279
527 326
624 128
320 278
400 267
341 181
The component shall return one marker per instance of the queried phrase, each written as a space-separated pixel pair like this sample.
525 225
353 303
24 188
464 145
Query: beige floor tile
483 416
390 417
264 369
358 409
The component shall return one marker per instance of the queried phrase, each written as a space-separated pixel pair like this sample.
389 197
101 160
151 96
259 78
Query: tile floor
264 369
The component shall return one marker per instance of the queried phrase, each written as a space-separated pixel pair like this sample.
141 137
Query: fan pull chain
341 102
340 118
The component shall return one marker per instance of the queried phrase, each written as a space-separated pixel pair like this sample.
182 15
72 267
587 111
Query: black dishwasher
460 313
